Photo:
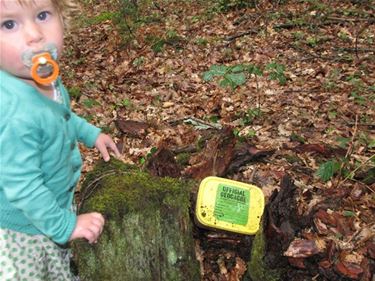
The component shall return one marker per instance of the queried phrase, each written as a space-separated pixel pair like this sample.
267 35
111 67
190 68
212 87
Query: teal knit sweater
40 162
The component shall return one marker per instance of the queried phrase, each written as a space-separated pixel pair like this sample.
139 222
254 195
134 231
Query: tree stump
148 231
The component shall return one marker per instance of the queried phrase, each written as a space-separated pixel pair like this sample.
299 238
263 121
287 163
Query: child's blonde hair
64 7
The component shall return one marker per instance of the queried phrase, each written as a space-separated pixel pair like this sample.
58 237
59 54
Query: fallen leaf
302 249
349 270
132 127
297 262
163 164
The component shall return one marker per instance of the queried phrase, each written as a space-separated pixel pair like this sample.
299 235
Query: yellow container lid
229 205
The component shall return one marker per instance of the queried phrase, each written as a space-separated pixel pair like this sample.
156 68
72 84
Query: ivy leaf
237 79
257 71
224 83
328 169
237 68
215 70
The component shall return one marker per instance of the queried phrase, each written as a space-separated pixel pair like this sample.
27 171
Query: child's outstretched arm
91 136
88 226
102 143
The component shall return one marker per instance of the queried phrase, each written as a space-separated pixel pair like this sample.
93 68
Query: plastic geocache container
229 205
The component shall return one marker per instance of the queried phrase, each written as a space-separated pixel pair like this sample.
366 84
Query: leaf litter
272 133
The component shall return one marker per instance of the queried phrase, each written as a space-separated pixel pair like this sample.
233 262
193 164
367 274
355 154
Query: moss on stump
257 269
148 232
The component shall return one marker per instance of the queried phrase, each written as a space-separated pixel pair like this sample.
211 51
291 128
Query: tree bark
148 231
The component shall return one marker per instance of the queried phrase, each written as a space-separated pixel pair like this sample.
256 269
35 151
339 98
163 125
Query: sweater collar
12 81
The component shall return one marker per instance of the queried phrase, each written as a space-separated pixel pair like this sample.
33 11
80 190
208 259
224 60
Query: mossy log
148 231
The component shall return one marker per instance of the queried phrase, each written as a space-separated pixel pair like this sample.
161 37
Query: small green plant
251 133
237 135
331 82
75 93
343 142
91 86
344 36
318 5
90 103
298 35
126 103
157 43
88 117
276 72
130 17
214 118
201 41
358 99
228 5
169 38
328 169
296 137
231 76
251 115
332 114
243 137
365 139
152 151
312 41
346 168
139 61
102 17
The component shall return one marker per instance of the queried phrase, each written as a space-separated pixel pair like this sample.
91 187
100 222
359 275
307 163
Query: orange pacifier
43 65
44 69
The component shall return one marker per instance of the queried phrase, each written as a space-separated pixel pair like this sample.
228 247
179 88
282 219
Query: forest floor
251 94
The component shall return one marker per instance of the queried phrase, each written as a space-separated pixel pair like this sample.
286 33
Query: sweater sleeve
85 132
23 184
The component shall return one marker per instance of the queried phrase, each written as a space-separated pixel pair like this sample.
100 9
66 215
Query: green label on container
232 204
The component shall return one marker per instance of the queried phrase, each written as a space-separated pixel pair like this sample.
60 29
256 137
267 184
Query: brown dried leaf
371 249
317 148
302 249
246 153
215 158
325 218
132 127
163 164
297 262
238 271
350 270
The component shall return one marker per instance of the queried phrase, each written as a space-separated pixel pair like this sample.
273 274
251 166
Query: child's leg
26 257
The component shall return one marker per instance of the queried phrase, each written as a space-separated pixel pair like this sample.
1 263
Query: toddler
40 163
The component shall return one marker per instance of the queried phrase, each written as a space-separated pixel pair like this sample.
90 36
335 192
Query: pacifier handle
40 60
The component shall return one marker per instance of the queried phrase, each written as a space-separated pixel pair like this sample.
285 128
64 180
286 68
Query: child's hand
102 142
89 226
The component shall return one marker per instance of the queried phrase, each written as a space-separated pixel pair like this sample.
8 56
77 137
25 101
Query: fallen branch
233 37
370 20
355 50
331 20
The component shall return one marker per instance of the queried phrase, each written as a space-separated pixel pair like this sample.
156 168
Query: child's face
27 26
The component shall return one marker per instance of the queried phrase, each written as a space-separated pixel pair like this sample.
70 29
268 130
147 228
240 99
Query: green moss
183 158
128 189
257 270
148 233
